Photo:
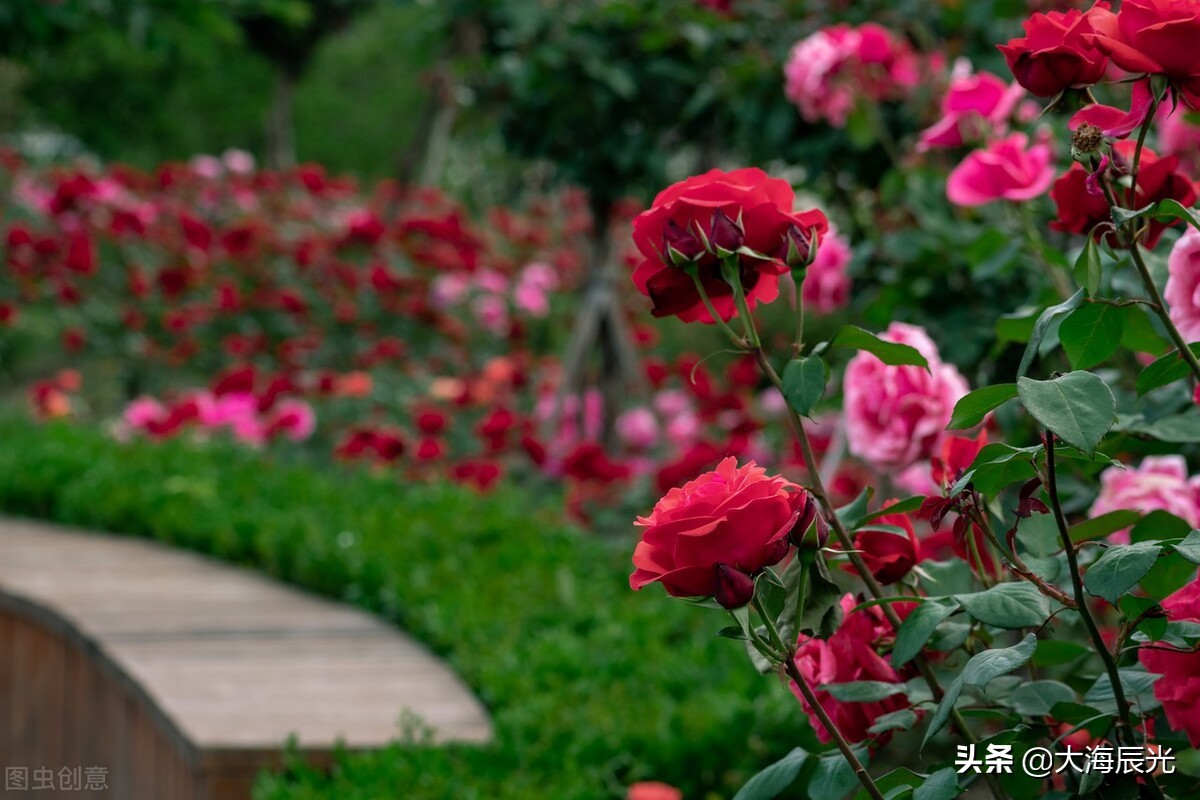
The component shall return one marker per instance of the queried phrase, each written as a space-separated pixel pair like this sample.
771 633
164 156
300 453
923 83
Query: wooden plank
183 676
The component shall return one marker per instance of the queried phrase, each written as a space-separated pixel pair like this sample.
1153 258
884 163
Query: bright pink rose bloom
1057 52
1159 483
693 222
1154 36
848 655
653 790
1179 687
143 412
1007 169
1182 291
974 107
826 286
896 416
1180 137
830 70
713 534
638 428
292 418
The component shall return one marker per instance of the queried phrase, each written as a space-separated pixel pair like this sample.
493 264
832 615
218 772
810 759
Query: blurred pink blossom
896 416
1182 291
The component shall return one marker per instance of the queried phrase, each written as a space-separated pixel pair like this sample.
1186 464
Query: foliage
498 585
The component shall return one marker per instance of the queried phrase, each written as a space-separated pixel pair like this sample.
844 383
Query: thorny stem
1129 234
1125 724
817 488
1019 567
847 751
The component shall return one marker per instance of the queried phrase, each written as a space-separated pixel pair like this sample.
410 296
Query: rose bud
734 587
811 529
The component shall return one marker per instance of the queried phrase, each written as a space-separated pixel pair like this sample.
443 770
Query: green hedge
590 686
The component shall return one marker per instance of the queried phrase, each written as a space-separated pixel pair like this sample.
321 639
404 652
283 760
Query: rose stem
1125 726
788 656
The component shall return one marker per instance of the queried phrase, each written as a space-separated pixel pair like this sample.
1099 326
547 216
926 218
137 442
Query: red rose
889 555
1154 36
848 655
1081 208
1179 688
710 535
1056 52
695 220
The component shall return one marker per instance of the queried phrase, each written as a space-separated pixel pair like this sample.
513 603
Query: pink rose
848 655
1007 169
896 416
1179 688
827 72
143 412
1182 291
826 285
713 534
638 428
292 418
974 107
1159 483
653 790
1180 137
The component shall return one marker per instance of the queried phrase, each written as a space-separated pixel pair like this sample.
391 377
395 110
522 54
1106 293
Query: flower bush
1036 591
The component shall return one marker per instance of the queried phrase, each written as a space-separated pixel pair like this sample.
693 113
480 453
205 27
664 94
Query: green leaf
864 691
1189 548
856 510
1103 525
917 627
1171 210
766 785
1078 407
834 778
1036 698
901 720
990 664
1138 686
1123 215
891 353
1092 333
996 466
905 506
895 785
1088 271
804 383
971 408
1007 605
941 785
1047 317
1165 369
979 672
1053 652
1119 569
1175 429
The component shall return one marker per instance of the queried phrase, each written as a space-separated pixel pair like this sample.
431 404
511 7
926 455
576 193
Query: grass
591 686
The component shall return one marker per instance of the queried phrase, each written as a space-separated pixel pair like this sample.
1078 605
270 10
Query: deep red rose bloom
718 211
729 522
889 555
1179 688
1080 208
848 655
1056 52
589 462
1154 36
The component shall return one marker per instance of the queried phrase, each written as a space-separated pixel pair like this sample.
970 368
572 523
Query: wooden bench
169 675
